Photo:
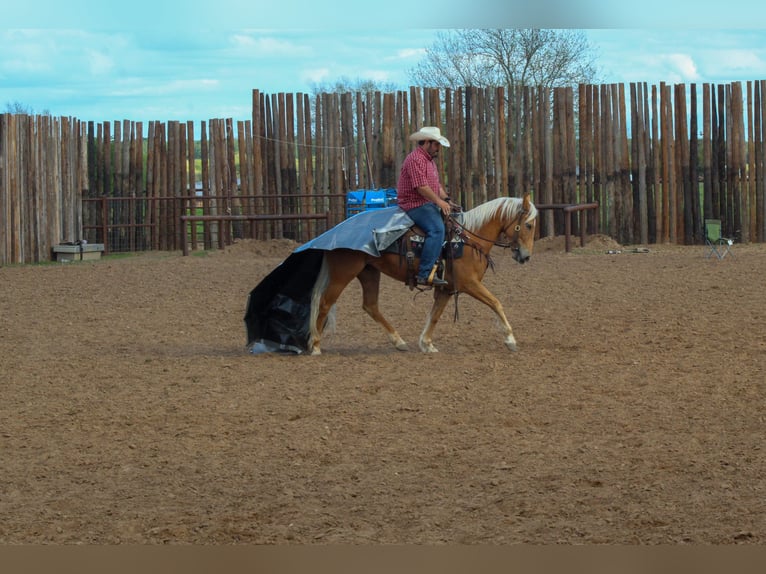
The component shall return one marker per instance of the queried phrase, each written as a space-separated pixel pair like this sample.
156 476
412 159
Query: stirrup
434 281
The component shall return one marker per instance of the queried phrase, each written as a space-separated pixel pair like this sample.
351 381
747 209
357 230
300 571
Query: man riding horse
421 195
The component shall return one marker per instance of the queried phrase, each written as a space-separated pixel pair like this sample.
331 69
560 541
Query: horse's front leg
479 292
441 296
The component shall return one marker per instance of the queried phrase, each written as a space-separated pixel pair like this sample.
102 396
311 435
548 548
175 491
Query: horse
512 217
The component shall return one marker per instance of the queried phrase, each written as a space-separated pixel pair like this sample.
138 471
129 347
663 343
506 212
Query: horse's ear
525 202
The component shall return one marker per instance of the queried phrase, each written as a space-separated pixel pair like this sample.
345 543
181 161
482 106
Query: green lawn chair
719 246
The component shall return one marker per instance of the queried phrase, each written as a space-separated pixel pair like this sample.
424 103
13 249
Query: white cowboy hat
429 133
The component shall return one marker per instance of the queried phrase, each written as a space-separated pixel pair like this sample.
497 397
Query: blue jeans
429 218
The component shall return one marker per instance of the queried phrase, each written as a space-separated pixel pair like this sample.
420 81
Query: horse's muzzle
521 255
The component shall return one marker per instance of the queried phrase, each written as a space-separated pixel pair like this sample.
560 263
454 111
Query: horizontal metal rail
253 217
114 213
569 209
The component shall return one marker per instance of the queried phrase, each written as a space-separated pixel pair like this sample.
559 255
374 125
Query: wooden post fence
656 159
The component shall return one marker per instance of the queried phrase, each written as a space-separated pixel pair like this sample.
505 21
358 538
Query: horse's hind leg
441 297
370 280
337 271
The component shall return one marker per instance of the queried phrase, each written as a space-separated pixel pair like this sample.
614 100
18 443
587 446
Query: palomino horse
482 228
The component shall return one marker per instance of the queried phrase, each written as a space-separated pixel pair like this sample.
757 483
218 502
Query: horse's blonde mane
504 207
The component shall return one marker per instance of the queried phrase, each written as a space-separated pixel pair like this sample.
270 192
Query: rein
461 229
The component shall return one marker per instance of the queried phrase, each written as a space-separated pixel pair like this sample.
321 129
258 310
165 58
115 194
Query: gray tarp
369 231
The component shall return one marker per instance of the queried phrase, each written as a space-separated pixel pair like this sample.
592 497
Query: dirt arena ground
633 412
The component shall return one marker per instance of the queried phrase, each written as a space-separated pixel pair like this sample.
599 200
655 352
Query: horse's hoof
315 351
402 346
428 348
511 345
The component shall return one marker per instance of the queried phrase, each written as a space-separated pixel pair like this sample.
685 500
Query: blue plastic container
375 199
367 199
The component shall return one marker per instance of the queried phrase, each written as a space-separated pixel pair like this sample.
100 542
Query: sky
195 60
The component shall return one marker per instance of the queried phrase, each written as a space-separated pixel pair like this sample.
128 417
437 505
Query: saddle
410 247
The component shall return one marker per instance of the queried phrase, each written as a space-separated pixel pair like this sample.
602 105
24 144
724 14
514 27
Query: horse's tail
320 285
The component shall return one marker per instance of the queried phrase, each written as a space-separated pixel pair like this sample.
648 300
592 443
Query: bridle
460 230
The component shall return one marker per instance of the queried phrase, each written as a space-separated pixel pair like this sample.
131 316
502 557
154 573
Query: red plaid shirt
418 170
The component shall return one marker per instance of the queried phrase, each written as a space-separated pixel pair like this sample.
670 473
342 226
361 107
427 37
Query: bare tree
17 107
344 84
506 57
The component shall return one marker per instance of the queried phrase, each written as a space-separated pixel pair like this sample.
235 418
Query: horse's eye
529 226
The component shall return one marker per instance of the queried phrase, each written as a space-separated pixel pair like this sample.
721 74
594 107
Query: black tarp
278 308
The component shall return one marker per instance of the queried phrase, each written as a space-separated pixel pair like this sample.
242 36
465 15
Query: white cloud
259 46
60 56
26 52
714 56
169 72
316 75
376 75
411 53
139 88
653 67
681 65
100 63
742 64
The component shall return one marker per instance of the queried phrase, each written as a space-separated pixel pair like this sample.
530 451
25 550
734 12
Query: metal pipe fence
128 224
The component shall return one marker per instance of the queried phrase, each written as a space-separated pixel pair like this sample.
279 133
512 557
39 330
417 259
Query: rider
422 196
